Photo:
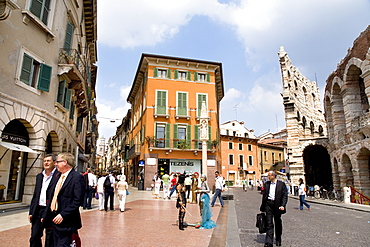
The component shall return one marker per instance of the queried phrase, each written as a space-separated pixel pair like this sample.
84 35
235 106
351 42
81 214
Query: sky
244 35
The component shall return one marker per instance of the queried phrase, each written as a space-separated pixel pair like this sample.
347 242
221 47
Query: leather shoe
268 245
278 243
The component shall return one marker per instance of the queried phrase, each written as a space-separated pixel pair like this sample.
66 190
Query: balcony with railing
181 144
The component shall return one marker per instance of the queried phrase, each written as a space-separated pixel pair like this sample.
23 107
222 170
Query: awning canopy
17 147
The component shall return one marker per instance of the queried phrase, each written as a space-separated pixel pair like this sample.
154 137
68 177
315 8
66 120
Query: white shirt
100 187
219 183
45 185
301 191
92 179
272 191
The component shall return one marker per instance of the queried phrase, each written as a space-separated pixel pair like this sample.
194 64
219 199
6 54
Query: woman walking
157 187
302 195
121 187
181 200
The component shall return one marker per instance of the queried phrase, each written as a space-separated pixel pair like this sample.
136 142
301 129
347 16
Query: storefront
14 152
185 165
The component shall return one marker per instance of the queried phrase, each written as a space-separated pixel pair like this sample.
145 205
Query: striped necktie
53 206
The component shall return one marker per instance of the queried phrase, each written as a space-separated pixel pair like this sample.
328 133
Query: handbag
75 240
96 195
261 223
127 192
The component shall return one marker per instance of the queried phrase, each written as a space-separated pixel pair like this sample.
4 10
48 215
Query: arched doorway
317 166
13 161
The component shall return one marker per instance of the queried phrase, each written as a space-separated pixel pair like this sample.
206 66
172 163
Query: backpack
107 183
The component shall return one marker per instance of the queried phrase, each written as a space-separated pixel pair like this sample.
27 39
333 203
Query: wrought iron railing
182 144
358 197
72 56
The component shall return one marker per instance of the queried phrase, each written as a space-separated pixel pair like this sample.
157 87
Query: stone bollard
346 195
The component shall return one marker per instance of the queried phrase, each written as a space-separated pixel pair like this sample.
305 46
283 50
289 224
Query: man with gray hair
274 200
64 199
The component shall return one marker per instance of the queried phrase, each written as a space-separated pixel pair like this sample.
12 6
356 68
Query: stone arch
356 87
317 166
336 179
329 116
363 171
304 90
64 147
52 144
346 174
312 128
337 108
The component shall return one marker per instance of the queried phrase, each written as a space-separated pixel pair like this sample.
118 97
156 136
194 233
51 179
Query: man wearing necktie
64 200
274 200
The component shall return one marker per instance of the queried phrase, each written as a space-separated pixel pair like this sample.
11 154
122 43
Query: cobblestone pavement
324 225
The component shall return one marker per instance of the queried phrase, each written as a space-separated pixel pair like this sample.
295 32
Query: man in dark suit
274 202
38 204
64 199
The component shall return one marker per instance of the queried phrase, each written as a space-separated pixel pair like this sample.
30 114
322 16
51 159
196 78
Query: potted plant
183 144
214 144
150 140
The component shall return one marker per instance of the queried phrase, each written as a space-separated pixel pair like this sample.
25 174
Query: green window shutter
188 132
208 77
176 75
67 102
175 135
61 92
209 137
26 69
155 72
195 76
72 110
169 74
44 78
161 102
45 12
196 132
181 104
188 75
68 38
167 142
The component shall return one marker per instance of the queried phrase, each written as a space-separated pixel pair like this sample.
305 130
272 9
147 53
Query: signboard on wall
151 161
182 165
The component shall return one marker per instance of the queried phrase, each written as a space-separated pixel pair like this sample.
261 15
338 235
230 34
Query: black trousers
37 230
273 216
109 193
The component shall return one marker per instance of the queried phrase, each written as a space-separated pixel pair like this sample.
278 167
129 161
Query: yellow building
166 98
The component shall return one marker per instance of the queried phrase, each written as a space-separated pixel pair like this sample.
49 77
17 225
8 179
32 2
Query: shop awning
17 147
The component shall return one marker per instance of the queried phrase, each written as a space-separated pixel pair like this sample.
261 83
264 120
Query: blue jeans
173 190
217 194
88 197
302 201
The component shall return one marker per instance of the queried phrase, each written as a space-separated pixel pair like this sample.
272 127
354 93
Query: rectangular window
201 98
231 145
265 155
231 159
161 102
250 160
182 75
273 158
240 146
162 73
182 107
64 95
41 9
249 147
34 73
241 160
160 135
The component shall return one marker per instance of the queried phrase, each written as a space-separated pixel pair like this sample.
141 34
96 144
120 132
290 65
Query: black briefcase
261 223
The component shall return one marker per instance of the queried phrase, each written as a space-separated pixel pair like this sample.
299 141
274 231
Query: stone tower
306 127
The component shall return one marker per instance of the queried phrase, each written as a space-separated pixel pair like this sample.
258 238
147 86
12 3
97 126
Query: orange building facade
166 98
239 152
